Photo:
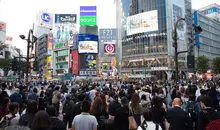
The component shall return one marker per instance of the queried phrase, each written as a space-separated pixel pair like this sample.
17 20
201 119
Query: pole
28 49
176 47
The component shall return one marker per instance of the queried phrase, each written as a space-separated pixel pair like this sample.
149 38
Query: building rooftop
209 6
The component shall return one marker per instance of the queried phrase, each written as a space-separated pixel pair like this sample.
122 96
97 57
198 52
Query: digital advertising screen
88 47
87 62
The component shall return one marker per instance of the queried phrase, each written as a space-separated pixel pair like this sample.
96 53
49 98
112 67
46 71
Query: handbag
132 123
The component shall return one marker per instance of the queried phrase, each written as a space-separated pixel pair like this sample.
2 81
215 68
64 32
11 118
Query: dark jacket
76 109
202 119
26 120
178 119
121 118
57 124
113 106
16 97
33 96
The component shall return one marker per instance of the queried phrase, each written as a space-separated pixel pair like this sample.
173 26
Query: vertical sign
196 22
75 63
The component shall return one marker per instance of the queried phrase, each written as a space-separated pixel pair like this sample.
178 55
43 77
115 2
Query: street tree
216 65
202 64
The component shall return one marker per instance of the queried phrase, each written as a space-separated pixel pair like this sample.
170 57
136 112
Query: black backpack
67 107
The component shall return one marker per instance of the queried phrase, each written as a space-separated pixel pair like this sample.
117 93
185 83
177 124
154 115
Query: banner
88 15
109 48
50 40
45 20
75 63
107 34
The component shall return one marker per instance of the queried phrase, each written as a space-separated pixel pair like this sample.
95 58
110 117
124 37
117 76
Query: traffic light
14 65
197 28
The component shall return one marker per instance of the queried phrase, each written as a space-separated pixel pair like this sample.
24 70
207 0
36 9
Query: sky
19 15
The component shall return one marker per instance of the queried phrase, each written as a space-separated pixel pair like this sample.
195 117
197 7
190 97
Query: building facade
209 20
145 37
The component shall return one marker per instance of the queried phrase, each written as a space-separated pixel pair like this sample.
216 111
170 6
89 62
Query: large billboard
143 22
64 32
75 63
2 32
109 48
107 34
45 20
65 18
88 15
87 43
87 62
177 14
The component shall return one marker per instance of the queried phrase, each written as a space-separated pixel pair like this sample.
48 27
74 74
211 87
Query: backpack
213 124
67 107
6 121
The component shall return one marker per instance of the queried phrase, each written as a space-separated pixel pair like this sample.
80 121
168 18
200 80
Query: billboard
107 34
50 40
75 63
177 14
65 18
109 48
64 33
45 20
2 32
88 15
87 62
143 22
211 10
88 47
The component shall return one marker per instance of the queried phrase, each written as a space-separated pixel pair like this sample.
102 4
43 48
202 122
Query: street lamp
30 40
175 46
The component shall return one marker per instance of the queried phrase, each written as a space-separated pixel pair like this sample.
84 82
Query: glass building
145 36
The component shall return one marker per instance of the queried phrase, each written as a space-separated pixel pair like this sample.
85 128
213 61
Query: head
31 107
124 101
177 102
41 121
157 102
51 110
148 115
5 102
14 108
206 102
17 90
85 106
35 90
81 97
143 97
135 100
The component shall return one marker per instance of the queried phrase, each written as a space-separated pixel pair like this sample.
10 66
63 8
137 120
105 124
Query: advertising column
88 16
64 32
49 59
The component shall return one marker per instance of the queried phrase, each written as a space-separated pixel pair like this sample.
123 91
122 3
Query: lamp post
31 39
176 47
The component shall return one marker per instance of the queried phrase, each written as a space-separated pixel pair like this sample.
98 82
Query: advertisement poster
109 48
88 15
177 14
88 62
143 22
75 63
64 34
88 47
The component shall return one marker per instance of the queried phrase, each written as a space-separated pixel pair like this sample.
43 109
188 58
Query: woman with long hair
41 121
98 110
104 103
135 108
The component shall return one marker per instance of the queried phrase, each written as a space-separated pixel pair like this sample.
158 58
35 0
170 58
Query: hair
109 125
143 97
13 106
85 106
97 103
35 90
5 102
203 92
148 115
31 107
157 102
41 121
51 110
102 96
17 127
135 100
207 100
124 101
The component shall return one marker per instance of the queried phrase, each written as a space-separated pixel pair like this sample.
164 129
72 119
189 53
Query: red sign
75 63
109 48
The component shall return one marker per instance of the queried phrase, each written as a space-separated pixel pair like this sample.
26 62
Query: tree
216 65
202 64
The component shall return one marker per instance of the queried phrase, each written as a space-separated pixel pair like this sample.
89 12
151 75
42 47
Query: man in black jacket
178 119
208 112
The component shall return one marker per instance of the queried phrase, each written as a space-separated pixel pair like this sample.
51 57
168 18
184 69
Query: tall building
145 37
209 19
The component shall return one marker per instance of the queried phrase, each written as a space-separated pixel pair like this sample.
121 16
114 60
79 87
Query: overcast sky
20 14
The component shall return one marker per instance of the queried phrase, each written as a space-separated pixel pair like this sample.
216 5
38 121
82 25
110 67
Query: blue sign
87 37
45 17
196 22
211 10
